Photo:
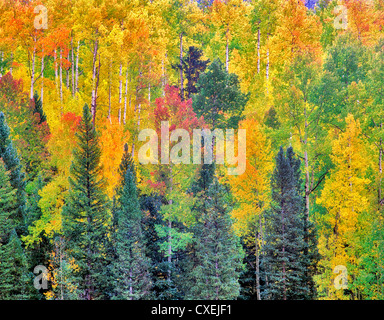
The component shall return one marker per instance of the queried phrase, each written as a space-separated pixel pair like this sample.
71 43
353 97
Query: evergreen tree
12 164
13 264
38 108
216 262
310 256
126 165
219 99
284 247
85 215
192 66
132 266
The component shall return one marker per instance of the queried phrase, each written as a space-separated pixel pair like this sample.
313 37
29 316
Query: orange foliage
112 140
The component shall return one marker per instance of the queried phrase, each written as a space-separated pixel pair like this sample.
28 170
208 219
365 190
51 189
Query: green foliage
219 99
131 265
216 258
285 245
12 164
85 214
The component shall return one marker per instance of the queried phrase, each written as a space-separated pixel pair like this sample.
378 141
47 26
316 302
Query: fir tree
126 164
13 264
133 280
192 66
216 263
219 98
310 256
38 108
12 164
284 235
85 215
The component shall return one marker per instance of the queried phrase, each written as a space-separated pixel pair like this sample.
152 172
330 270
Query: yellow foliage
112 140
344 197
252 189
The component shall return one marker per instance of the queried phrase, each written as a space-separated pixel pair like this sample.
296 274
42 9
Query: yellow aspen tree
345 200
252 191
298 31
226 15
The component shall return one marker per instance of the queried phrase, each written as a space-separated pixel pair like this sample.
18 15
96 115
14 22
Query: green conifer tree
12 164
38 108
216 262
131 268
13 264
219 98
285 266
85 215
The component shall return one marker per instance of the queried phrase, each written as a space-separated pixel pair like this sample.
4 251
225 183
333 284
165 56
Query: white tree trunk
1 59
125 97
227 52
77 68
258 51
42 78
73 68
61 76
33 72
120 90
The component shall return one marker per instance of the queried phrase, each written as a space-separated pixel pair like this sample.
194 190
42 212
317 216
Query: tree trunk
258 51
130 285
120 90
181 68
138 110
1 59
283 253
61 77
163 77
67 84
109 90
227 52
125 96
32 73
170 232
94 84
42 77
380 169
257 254
11 68
73 68
77 67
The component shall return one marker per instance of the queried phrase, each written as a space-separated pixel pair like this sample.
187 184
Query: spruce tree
284 245
38 108
12 164
127 164
219 98
13 264
310 256
131 268
192 66
85 215
216 262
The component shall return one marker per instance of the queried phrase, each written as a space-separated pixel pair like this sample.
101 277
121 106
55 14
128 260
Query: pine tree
215 266
219 99
38 108
13 264
131 268
284 234
85 215
192 66
12 164
310 256
126 165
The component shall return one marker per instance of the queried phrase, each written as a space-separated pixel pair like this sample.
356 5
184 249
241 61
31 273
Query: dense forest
82 216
